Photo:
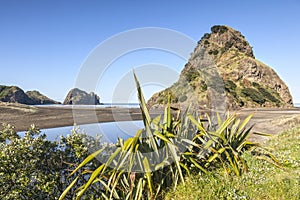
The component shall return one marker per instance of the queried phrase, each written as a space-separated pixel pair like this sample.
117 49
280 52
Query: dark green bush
229 86
206 36
228 45
203 86
254 95
2 87
257 85
6 91
265 93
240 103
214 52
268 95
32 167
219 29
160 100
191 75
174 99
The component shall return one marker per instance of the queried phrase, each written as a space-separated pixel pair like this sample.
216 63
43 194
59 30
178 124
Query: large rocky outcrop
222 71
14 94
80 97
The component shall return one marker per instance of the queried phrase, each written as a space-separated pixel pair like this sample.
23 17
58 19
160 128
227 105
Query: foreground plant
32 167
225 144
163 153
143 165
263 180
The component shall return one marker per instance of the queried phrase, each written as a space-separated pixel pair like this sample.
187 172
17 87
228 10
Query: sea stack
246 82
80 97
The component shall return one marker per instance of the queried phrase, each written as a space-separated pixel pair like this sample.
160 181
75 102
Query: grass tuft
263 180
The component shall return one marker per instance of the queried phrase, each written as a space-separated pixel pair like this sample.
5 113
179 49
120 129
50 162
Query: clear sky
44 43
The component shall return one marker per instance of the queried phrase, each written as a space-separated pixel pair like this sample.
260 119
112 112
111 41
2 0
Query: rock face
39 98
14 94
80 97
223 70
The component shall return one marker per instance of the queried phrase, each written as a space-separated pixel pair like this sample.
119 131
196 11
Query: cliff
80 97
14 94
39 98
223 70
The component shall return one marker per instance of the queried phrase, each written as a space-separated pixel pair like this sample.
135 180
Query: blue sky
44 43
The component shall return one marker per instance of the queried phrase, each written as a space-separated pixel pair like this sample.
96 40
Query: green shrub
181 145
191 75
206 42
263 181
268 95
161 100
256 85
205 36
6 92
214 52
174 99
2 87
254 95
219 29
229 86
203 86
240 103
228 45
32 167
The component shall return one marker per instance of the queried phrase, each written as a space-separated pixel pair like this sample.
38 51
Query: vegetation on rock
80 97
40 98
14 94
246 81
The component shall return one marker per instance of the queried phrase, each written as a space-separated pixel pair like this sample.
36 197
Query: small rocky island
14 94
80 97
223 62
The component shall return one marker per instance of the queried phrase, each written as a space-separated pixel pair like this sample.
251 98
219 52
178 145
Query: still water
103 105
110 131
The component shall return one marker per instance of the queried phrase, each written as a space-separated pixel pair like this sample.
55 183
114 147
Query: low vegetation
32 167
262 181
5 91
254 95
219 29
176 156
275 98
165 152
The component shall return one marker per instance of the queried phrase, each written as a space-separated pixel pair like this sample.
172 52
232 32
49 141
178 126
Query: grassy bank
263 181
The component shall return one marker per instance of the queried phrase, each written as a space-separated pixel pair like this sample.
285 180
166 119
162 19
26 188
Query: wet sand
21 116
272 120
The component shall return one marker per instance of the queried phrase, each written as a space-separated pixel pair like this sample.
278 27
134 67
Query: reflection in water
110 130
